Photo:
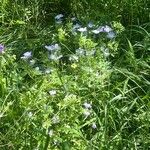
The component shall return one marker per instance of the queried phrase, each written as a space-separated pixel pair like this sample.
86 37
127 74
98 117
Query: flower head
73 18
82 29
50 133
90 53
27 55
105 51
1 48
59 16
52 92
96 31
76 26
90 25
73 58
32 62
94 125
55 119
80 52
55 57
53 47
87 105
47 71
30 114
111 35
86 113
107 29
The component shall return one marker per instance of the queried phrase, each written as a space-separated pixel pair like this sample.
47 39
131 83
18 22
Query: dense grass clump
74 75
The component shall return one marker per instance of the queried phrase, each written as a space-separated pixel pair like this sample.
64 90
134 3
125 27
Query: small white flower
55 119
47 71
87 105
30 114
59 16
26 55
105 51
73 18
86 113
1 115
32 62
110 35
80 52
94 126
55 142
107 28
82 29
90 25
73 58
53 47
52 92
54 57
37 68
50 133
96 31
76 26
90 53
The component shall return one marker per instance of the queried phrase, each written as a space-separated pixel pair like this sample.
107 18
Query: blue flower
76 26
53 47
1 48
90 25
107 29
98 30
27 55
111 35
94 126
82 29
59 16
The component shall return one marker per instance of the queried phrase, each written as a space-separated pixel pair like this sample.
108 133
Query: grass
89 92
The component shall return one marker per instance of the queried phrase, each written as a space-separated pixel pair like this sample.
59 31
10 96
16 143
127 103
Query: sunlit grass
73 83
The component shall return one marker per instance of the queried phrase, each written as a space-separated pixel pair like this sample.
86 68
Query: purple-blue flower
94 125
53 47
90 25
1 48
27 55
111 35
82 29
105 29
59 16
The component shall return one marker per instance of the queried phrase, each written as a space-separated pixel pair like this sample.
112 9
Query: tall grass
93 93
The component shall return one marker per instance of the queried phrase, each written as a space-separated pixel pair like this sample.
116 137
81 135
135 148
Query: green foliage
64 88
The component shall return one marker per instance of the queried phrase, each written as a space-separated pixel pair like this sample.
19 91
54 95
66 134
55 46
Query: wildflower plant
67 92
